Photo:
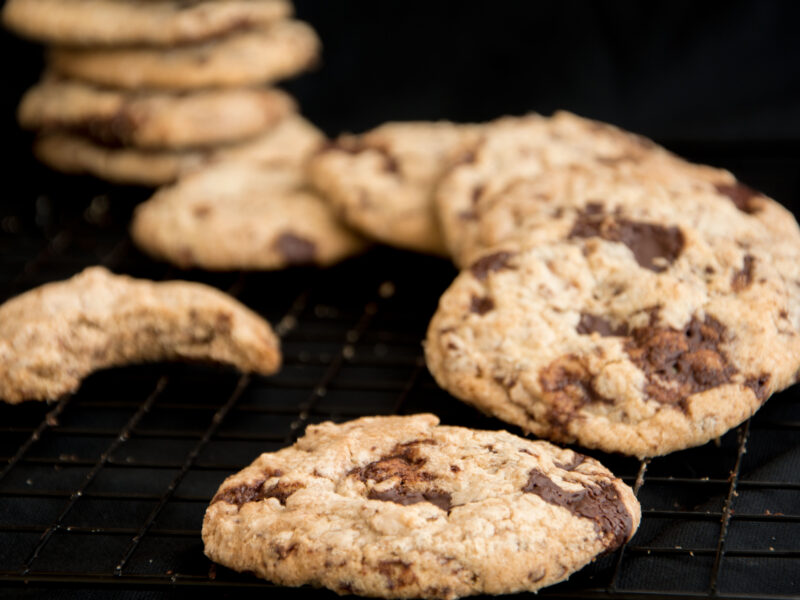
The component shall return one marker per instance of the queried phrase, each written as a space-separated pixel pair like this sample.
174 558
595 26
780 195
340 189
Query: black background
680 70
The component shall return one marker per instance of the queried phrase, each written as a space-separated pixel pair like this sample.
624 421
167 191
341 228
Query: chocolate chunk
679 363
223 323
284 551
577 459
567 385
742 279
596 324
468 215
295 249
744 197
201 211
281 491
406 464
481 305
353 145
397 573
476 194
759 385
647 241
406 496
114 131
600 503
246 492
491 262
241 494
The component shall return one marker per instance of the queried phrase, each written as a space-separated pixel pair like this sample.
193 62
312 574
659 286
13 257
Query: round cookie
657 323
544 208
242 216
241 58
153 119
515 148
120 22
401 507
382 182
287 144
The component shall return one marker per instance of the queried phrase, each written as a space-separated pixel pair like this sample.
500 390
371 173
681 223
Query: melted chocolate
406 464
481 305
647 241
597 324
567 385
600 503
742 279
679 363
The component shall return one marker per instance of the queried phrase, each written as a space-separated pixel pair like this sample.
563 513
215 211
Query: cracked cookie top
404 507
638 328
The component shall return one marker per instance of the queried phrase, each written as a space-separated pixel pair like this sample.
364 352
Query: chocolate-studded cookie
513 149
286 145
401 507
121 22
241 58
575 201
651 327
382 182
153 119
240 215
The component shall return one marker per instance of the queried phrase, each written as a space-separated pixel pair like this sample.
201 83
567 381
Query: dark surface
102 494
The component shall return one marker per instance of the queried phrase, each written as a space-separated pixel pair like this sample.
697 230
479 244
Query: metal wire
108 487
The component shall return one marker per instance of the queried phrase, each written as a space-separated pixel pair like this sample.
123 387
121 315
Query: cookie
55 335
401 507
241 58
153 119
634 319
515 148
289 143
382 182
544 208
153 22
242 216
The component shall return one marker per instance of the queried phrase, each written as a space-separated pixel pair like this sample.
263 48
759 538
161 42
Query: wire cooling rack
106 489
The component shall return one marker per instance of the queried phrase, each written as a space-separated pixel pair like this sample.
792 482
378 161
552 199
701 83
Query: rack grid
107 488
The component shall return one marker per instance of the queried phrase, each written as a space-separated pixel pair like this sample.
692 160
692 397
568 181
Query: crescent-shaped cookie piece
53 336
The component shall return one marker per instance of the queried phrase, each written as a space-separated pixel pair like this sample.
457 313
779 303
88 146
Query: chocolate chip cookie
401 507
512 149
240 58
242 216
382 182
156 120
287 144
55 335
150 22
650 328
557 204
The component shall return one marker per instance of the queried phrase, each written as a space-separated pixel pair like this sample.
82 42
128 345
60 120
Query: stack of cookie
140 92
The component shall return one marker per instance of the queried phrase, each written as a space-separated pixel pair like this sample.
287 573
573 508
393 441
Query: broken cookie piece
53 336
401 507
